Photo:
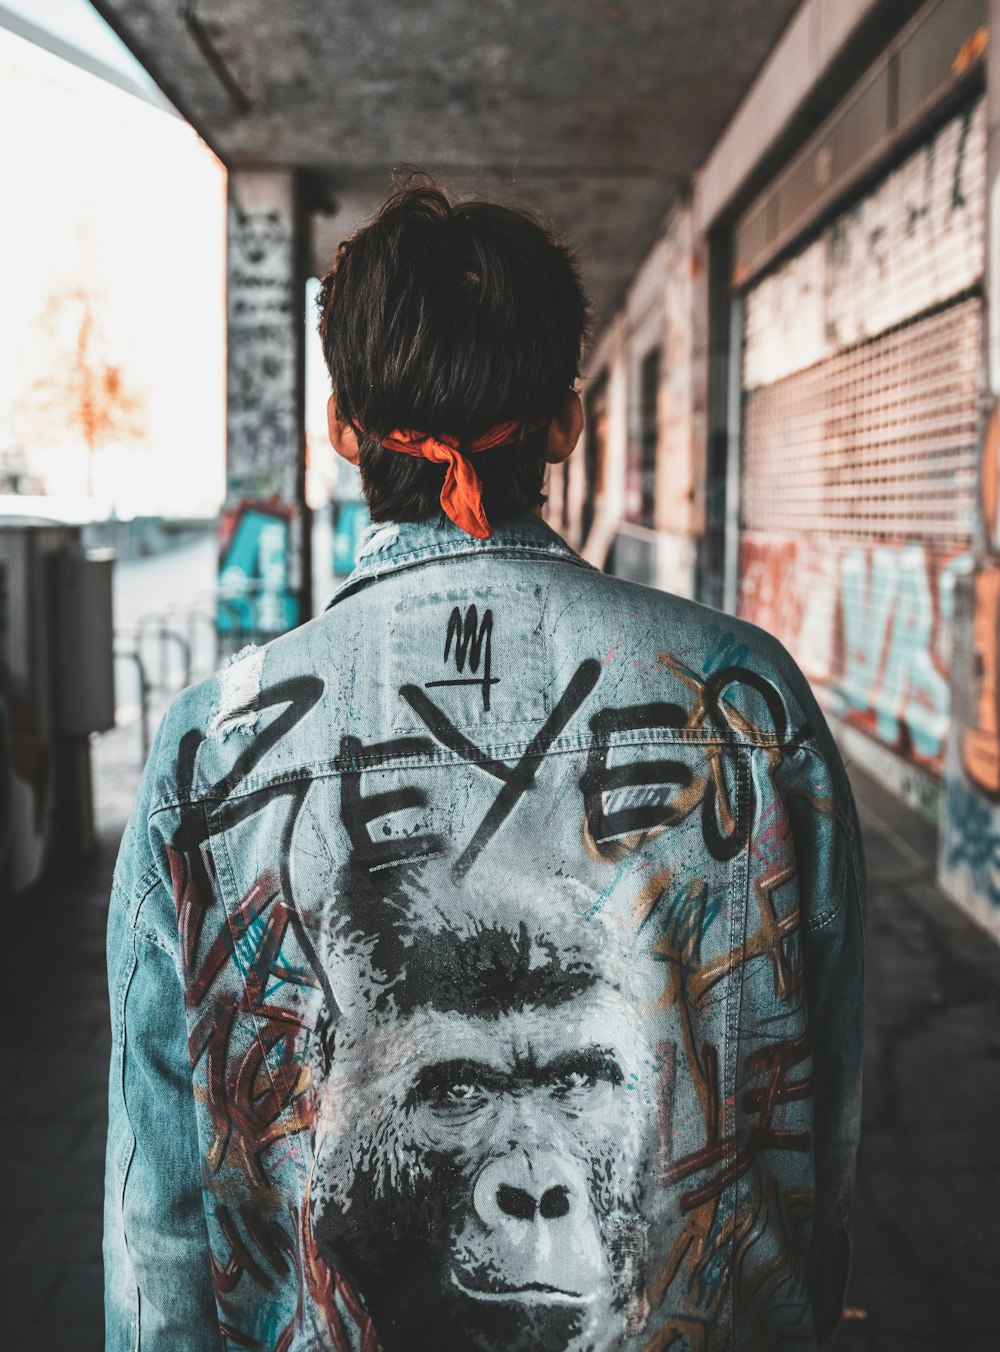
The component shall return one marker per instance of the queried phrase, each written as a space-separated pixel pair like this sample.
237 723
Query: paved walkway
927 1209
927 1223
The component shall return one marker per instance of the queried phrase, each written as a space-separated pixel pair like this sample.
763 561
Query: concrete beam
812 42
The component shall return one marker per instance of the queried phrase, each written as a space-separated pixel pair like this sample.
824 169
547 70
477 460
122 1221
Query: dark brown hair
450 319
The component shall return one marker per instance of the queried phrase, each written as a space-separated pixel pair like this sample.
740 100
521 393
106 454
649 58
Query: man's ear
343 438
565 429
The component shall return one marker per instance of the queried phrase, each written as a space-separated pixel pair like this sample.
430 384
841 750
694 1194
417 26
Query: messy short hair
448 319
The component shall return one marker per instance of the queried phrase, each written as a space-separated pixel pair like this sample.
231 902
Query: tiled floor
927 1206
927 1225
52 1116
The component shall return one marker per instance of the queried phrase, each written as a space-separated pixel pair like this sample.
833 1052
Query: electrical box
34 773
84 641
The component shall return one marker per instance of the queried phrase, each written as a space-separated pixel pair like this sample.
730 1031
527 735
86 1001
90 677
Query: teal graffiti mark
724 650
866 607
972 840
893 670
351 520
255 596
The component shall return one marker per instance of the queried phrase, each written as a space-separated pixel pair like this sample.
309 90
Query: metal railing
182 643
165 642
132 655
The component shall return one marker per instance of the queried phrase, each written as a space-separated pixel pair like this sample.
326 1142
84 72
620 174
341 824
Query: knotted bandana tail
462 492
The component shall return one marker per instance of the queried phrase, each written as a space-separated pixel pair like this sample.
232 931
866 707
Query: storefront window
640 467
595 448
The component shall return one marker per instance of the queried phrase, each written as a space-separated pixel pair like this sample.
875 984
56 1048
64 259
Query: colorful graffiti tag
871 623
971 844
970 829
896 607
256 593
981 742
351 520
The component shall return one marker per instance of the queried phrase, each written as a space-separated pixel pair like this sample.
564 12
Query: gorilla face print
553 1092
536 1127
483 1135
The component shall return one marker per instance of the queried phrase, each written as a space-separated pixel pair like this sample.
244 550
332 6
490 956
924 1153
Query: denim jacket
486 973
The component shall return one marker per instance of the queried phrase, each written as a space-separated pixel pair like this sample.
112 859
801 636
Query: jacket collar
390 546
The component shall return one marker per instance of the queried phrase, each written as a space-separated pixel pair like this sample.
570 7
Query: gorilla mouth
529 1293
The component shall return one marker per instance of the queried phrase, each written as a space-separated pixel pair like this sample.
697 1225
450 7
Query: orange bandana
462 493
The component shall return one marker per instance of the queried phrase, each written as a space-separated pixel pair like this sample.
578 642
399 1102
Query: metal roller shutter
861 370
874 444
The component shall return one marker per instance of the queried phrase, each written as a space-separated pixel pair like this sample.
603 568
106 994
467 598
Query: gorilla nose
520 1187
516 1202
554 1204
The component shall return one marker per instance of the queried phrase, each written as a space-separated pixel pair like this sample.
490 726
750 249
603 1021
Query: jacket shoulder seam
147 935
131 901
323 769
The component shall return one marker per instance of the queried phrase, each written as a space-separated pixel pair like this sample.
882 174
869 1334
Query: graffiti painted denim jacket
486 966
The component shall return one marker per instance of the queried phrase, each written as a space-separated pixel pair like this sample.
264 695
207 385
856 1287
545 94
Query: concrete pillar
969 859
264 573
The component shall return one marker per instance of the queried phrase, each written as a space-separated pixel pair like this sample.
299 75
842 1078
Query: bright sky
113 197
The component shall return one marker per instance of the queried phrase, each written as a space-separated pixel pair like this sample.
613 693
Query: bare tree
83 390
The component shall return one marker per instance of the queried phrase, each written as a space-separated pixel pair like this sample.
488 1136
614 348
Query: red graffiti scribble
981 743
241 1259
772 839
326 1287
239 1339
770 584
191 903
770 1067
255 1097
277 1248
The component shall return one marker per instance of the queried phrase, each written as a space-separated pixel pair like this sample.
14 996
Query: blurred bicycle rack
169 649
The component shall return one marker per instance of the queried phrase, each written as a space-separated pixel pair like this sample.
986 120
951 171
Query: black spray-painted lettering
472 640
599 778
359 810
517 779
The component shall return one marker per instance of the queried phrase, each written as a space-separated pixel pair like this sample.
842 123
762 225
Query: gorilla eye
462 1093
574 1079
456 1084
584 1072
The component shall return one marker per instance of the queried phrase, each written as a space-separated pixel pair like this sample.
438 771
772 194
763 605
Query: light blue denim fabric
486 973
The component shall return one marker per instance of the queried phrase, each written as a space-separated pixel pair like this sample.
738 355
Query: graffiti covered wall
859 428
261 539
913 242
869 624
969 857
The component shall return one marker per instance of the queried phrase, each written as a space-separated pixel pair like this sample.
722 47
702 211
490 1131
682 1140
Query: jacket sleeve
833 950
158 1275
833 900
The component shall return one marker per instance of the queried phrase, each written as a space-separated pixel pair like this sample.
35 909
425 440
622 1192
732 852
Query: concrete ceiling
593 112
